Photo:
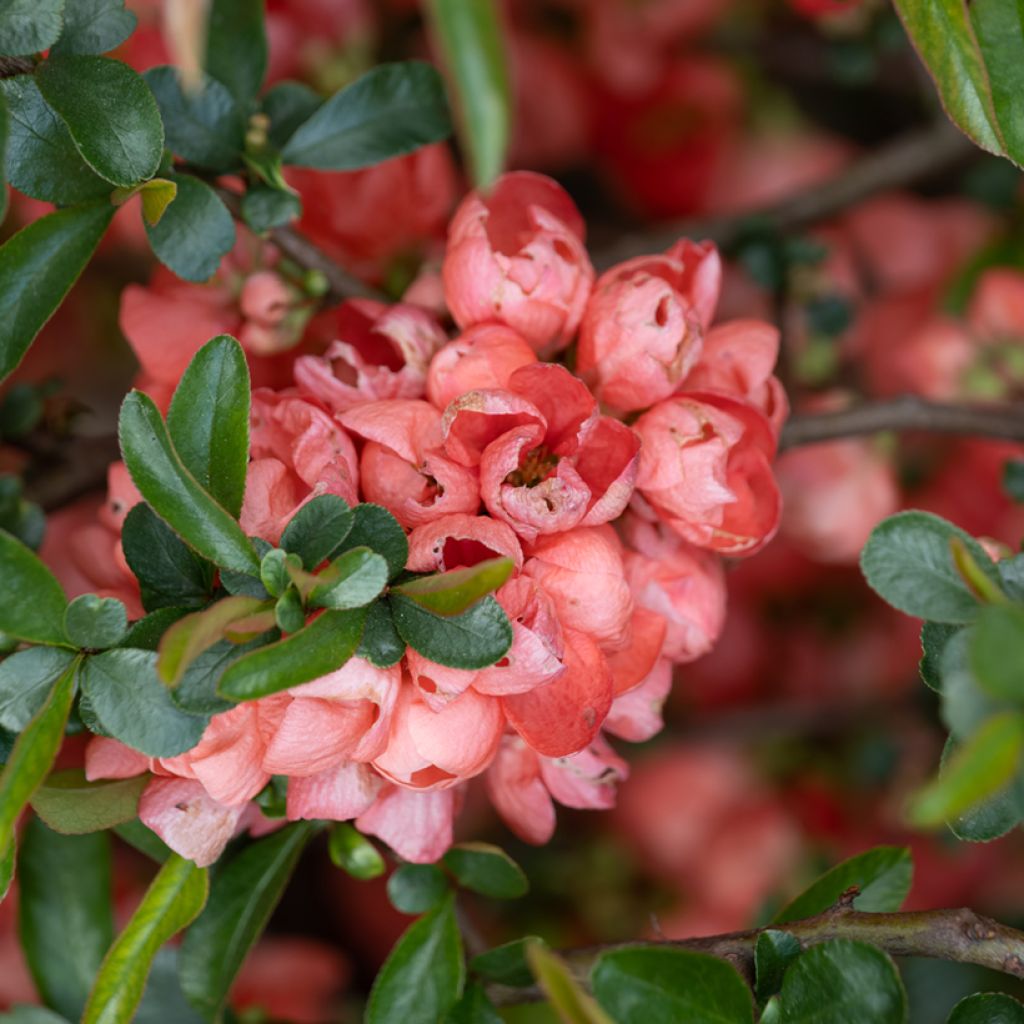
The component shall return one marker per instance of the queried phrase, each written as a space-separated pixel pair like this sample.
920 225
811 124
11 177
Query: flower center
537 465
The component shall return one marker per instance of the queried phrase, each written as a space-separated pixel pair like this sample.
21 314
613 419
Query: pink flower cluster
614 490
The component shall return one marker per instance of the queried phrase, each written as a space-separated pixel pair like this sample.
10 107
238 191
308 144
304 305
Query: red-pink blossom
416 824
482 357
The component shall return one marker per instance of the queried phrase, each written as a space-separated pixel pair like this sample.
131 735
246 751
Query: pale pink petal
586 780
188 819
416 825
107 758
636 715
337 794
518 793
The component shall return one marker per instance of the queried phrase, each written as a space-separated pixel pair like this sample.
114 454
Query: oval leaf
486 869
996 651
475 639
351 851
236 47
72 805
34 603
352 580
94 621
987 1008
450 593
319 527
572 1004
94 26
28 26
26 679
415 888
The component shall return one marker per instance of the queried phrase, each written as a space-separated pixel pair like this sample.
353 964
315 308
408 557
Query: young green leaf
7 873
415 888
773 954
506 964
381 645
321 647
451 593
391 110
65 917
288 105
33 754
352 580
38 266
486 869
471 42
236 48
908 561
351 851
161 477
26 679
934 637
31 1015
28 26
475 639
289 614
841 981
274 571
882 876
93 621
133 705
374 527
204 125
987 1008
473 1008
72 805
34 605
422 978
571 1003
996 651
195 233
110 112
94 26
317 529
173 901
243 896
640 984
146 633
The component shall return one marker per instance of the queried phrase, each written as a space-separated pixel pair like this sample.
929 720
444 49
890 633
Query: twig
956 935
908 412
911 158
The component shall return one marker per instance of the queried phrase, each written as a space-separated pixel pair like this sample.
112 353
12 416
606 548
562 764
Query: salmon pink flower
378 352
416 824
483 357
516 255
636 714
460 542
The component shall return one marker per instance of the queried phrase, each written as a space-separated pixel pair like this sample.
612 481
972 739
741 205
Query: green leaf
140 838
351 851
133 705
486 869
197 691
422 978
110 112
172 902
571 1003
26 679
94 26
473 1008
992 817
289 613
34 605
7 873
38 266
157 194
475 639
987 1008
195 233
965 705
471 42
163 1002
908 561
506 964
842 981
265 208
145 633
883 876
274 571
72 805
381 645
773 954
934 638
996 651
65 917
323 646
236 47
5 134
33 754
374 527
450 593
1013 469
28 26
414 888
316 530
658 985
164 482
31 1015
204 125
243 896
170 574
288 105
980 768
352 580
97 622
391 110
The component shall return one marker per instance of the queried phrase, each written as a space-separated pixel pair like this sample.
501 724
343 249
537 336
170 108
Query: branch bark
956 935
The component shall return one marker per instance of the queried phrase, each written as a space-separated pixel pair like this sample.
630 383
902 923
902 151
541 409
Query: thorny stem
961 936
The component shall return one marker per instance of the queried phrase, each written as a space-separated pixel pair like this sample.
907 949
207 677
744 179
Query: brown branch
906 413
909 159
961 936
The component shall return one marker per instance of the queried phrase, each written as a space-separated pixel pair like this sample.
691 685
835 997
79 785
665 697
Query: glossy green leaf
32 756
170 574
5 134
145 633
243 895
94 26
566 995
323 646
987 1008
174 494
471 42
110 112
196 693
173 901
289 104
28 26
163 1002
381 645
934 637
133 705
34 605
773 954
204 125
658 985
486 869
415 888
140 838
505 964
883 876
965 705
475 639
451 593
72 805
65 914
352 580
422 978
274 570
351 851
31 1015
473 1008
996 651
93 621
842 981
908 561
374 527
391 110
195 233
992 817
289 613
38 266
265 208
316 530
26 679
236 47
7 871
156 194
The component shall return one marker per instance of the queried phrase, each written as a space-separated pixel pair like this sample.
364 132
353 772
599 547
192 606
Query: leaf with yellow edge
570 1002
